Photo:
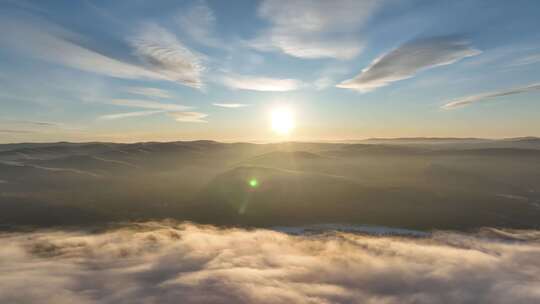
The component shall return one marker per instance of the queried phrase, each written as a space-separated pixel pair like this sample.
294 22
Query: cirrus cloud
199 22
16 131
57 45
165 55
148 104
256 83
128 115
230 105
148 92
176 111
306 29
468 100
184 116
409 59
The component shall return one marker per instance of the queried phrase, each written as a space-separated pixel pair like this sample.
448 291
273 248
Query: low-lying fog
167 262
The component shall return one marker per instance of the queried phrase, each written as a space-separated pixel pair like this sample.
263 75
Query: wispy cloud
165 55
148 92
323 83
177 111
409 59
54 44
147 104
188 116
465 101
314 29
526 60
199 22
327 76
128 115
255 83
44 123
507 56
20 126
28 126
230 105
34 123
13 131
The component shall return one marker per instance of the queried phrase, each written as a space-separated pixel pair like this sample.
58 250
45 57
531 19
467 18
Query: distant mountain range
418 183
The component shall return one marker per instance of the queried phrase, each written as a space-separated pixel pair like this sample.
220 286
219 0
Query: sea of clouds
170 262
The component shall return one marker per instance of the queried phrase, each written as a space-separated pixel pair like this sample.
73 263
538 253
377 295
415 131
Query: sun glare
282 121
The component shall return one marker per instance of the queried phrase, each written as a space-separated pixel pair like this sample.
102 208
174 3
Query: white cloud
162 263
315 28
188 116
409 59
323 83
526 60
176 111
147 104
198 22
34 122
54 44
128 115
255 83
464 101
308 48
166 56
327 75
230 105
13 131
149 92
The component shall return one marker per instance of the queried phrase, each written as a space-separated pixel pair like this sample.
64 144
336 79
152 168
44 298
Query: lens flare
253 183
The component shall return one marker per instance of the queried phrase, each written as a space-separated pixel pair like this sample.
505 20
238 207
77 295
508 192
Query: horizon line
278 141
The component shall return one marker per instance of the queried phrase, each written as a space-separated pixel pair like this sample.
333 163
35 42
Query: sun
282 121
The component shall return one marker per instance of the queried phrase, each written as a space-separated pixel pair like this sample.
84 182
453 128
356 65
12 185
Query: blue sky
171 70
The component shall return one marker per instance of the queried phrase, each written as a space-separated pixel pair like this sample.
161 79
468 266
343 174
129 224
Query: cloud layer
409 59
15 131
178 112
230 105
199 23
162 263
254 83
54 44
129 114
148 92
167 56
315 28
164 57
148 104
465 101
188 116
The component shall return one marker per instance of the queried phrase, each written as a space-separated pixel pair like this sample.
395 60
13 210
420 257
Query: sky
139 70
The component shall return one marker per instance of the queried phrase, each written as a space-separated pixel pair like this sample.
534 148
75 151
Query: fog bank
185 263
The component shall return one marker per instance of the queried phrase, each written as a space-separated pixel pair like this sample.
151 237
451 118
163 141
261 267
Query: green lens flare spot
253 183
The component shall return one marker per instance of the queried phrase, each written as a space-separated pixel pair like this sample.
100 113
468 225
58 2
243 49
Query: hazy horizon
367 139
